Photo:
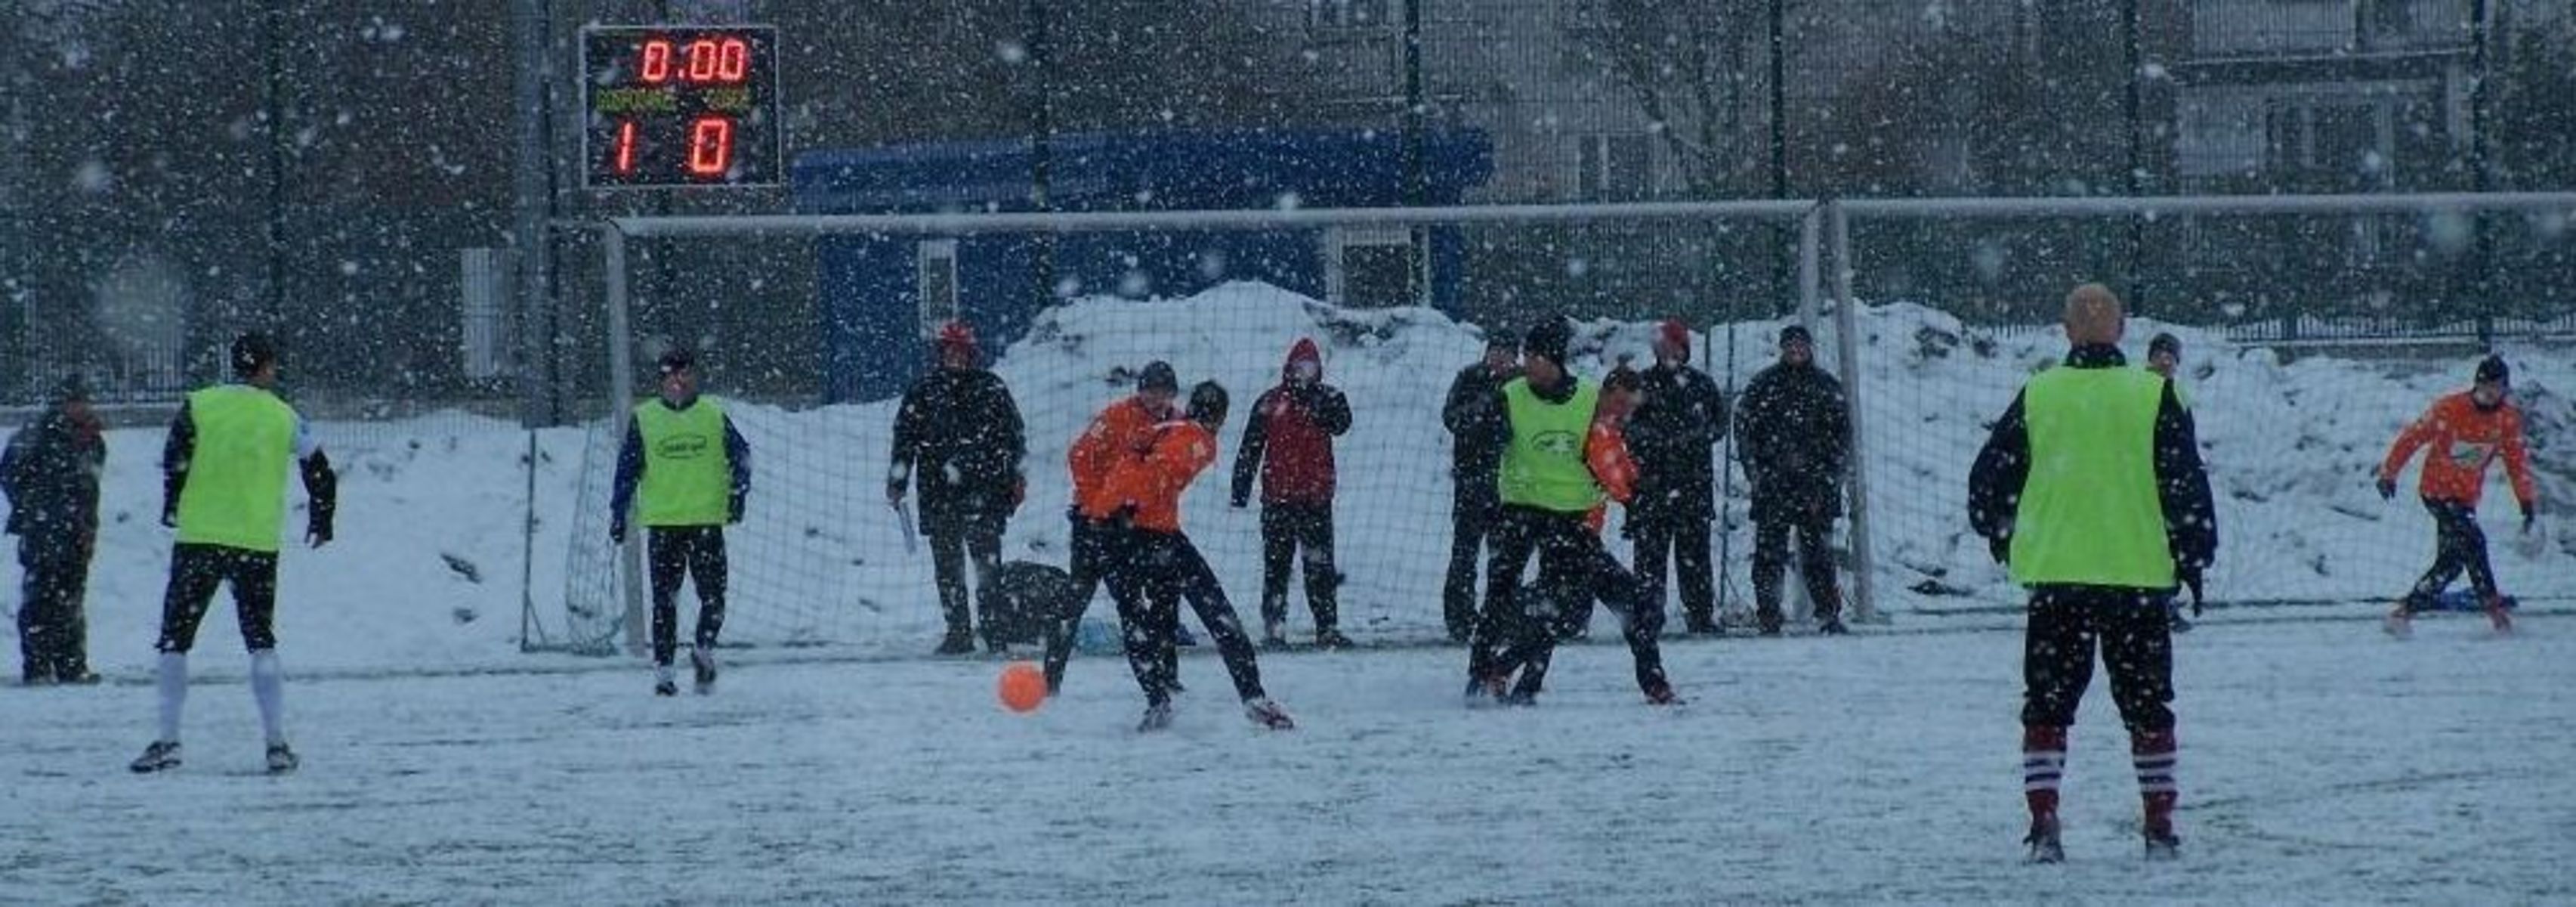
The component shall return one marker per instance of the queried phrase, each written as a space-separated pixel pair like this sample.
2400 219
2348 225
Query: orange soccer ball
1023 687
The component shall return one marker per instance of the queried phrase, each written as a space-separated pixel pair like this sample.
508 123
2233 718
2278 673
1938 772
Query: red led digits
655 68
626 147
704 60
710 145
733 61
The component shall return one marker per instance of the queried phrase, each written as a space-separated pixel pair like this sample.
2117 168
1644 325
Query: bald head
2093 316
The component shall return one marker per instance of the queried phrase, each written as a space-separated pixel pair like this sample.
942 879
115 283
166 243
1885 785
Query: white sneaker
705 664
2399 623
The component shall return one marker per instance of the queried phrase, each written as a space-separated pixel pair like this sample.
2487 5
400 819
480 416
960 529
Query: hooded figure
51 475
1288 444
958 436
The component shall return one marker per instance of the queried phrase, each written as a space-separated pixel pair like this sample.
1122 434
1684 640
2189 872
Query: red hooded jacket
1289 440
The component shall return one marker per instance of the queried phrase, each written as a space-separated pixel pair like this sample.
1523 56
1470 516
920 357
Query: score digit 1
624 160
710 145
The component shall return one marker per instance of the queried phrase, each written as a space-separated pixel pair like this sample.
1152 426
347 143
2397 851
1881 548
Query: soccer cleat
1267 714
1157 717
281 759
1831 628
2497 615
2042 840
161 755
2162 848
2400 623
1662 694
1329 638
704 664
956 644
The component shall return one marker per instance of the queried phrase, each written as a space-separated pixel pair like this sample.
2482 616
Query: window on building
1346 13
1612 168
937 284
1372 267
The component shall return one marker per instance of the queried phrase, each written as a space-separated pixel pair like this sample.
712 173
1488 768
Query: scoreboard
680 106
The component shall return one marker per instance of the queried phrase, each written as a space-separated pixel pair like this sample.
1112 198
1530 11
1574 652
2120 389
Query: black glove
2191 579
617 531
170 514
2001 548
2387 488
317 526
1240 503
733 508
2530 514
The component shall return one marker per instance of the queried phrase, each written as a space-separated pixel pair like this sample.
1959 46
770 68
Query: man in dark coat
1672 435
1474 412
1289 445
51 473
1793 430
958 436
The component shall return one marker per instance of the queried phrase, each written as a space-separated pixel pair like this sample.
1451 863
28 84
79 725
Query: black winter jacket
50 474
1793 435
958 435
1672 435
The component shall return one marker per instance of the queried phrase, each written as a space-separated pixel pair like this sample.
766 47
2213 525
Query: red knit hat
1673 332
956 335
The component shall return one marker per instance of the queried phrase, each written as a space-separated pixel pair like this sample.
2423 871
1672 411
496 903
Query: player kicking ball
1156 557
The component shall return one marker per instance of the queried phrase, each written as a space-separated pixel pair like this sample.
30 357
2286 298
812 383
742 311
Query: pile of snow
426 573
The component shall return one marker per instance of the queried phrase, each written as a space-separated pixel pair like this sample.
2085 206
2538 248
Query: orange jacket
1120 433
1605 449
1153 484
2464 440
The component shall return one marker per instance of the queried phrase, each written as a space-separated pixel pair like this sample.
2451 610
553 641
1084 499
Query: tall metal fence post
1847 332
621 395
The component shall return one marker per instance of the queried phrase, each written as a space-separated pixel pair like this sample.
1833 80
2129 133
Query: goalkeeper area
2302 364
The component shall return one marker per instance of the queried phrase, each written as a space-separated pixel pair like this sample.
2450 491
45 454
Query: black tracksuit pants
1098 547
2132 629
2458 544
1165 568
953 544
695 553
196 572
1683 543
1286 530
53 630
1515 635
1471 528
1815 563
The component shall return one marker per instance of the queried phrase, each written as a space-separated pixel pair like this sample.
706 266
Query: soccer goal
2312 329
811 326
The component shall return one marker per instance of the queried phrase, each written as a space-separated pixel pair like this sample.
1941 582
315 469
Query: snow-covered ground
2322 764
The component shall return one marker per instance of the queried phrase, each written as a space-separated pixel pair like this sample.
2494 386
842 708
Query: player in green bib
224 469
685 472
1548 493
2091 490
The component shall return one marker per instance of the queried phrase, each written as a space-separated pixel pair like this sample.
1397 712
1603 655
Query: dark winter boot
958 642
281 758
1329 638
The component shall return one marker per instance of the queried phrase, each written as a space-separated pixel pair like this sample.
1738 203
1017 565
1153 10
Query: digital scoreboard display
680 106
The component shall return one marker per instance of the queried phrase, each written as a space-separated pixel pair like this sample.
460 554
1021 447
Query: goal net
2312 330
809 328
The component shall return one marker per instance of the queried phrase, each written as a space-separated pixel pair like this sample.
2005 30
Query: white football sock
268 685
173 682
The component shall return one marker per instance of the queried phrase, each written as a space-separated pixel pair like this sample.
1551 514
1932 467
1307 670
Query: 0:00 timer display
680 106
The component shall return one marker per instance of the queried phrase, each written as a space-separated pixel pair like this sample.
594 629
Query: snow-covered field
2323 764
